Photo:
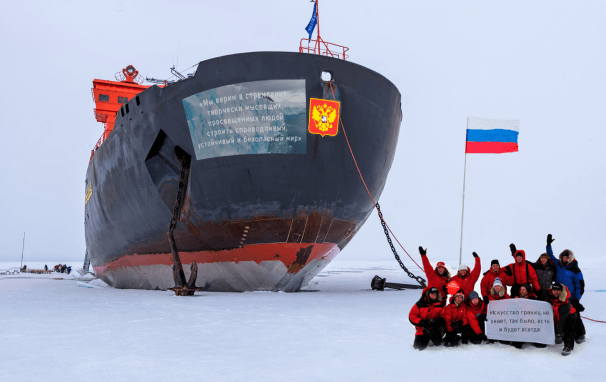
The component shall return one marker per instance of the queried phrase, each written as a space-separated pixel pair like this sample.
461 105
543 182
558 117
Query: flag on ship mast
491 136
312 23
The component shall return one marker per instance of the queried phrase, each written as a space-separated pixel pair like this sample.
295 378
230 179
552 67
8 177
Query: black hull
253 221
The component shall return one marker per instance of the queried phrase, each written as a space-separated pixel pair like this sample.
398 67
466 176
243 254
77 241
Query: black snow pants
570 331
434 334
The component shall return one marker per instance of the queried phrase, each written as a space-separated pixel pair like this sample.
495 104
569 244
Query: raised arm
550 240
477 269
427 268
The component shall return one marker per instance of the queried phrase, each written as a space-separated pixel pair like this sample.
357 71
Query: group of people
558 281
63 268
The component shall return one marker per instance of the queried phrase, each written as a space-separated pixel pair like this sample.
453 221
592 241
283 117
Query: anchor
379 283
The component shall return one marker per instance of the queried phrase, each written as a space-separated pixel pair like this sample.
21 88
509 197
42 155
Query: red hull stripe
491 147
293 255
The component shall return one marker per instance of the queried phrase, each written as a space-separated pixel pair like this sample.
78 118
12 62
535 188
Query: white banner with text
520 320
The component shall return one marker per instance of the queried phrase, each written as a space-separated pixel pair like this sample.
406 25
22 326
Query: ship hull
256 216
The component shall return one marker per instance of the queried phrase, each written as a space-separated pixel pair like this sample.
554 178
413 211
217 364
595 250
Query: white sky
542 62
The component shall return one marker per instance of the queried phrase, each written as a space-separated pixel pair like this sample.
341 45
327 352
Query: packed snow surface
337 329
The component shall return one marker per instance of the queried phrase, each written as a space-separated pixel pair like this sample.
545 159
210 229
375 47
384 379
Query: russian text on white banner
520 320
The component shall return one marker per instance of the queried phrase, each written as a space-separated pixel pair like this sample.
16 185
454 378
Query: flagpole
22 249
463 208
318 16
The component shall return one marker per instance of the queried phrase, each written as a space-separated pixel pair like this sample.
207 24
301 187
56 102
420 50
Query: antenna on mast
176 73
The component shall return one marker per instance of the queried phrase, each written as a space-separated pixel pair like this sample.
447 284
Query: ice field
337 329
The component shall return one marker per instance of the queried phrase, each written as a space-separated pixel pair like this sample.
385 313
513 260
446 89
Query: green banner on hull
260 117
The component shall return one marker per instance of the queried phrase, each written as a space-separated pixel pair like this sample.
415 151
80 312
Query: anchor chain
182 288
419 279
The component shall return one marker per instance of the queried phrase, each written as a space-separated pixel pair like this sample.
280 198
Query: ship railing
100 117
323 48
139 79
99 143
121 78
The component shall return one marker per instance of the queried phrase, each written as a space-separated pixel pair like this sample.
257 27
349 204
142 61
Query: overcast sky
542 62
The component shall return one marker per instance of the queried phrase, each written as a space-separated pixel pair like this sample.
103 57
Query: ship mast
319 46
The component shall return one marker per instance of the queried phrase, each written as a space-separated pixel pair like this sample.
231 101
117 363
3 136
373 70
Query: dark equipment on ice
379 283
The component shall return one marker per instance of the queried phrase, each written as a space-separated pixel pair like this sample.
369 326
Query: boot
580 339
566 351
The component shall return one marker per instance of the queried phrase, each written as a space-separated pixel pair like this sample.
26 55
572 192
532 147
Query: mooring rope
366 187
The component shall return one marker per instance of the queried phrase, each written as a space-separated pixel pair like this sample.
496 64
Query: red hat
453 287
440 264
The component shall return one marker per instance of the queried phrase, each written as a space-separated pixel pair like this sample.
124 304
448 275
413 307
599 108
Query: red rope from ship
369 195
603 322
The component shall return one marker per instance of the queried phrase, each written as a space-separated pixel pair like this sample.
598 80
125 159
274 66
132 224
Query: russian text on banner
520 320
491 136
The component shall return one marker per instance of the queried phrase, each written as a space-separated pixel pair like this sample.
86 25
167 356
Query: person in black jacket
563 315
546 272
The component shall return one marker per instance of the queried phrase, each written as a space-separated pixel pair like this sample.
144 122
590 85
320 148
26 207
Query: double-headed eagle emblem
324 117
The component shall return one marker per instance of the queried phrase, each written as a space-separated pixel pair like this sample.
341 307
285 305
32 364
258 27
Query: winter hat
459 293
493 262
497 282
567 252
544 255
440 264
473 295
432 290
557 286
462 267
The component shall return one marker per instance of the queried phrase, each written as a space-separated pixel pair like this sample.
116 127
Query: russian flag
491 136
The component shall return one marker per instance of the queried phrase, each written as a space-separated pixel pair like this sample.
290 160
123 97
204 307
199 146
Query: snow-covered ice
337 329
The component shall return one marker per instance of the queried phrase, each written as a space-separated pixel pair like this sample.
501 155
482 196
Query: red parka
468 282
425 309
523 273
472 315
453 312
488 280
434 279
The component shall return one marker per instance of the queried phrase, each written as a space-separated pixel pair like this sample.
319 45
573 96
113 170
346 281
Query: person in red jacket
437 277
426 316
498 291
476 316
521 272
455 315
564 316
465 278
489 277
